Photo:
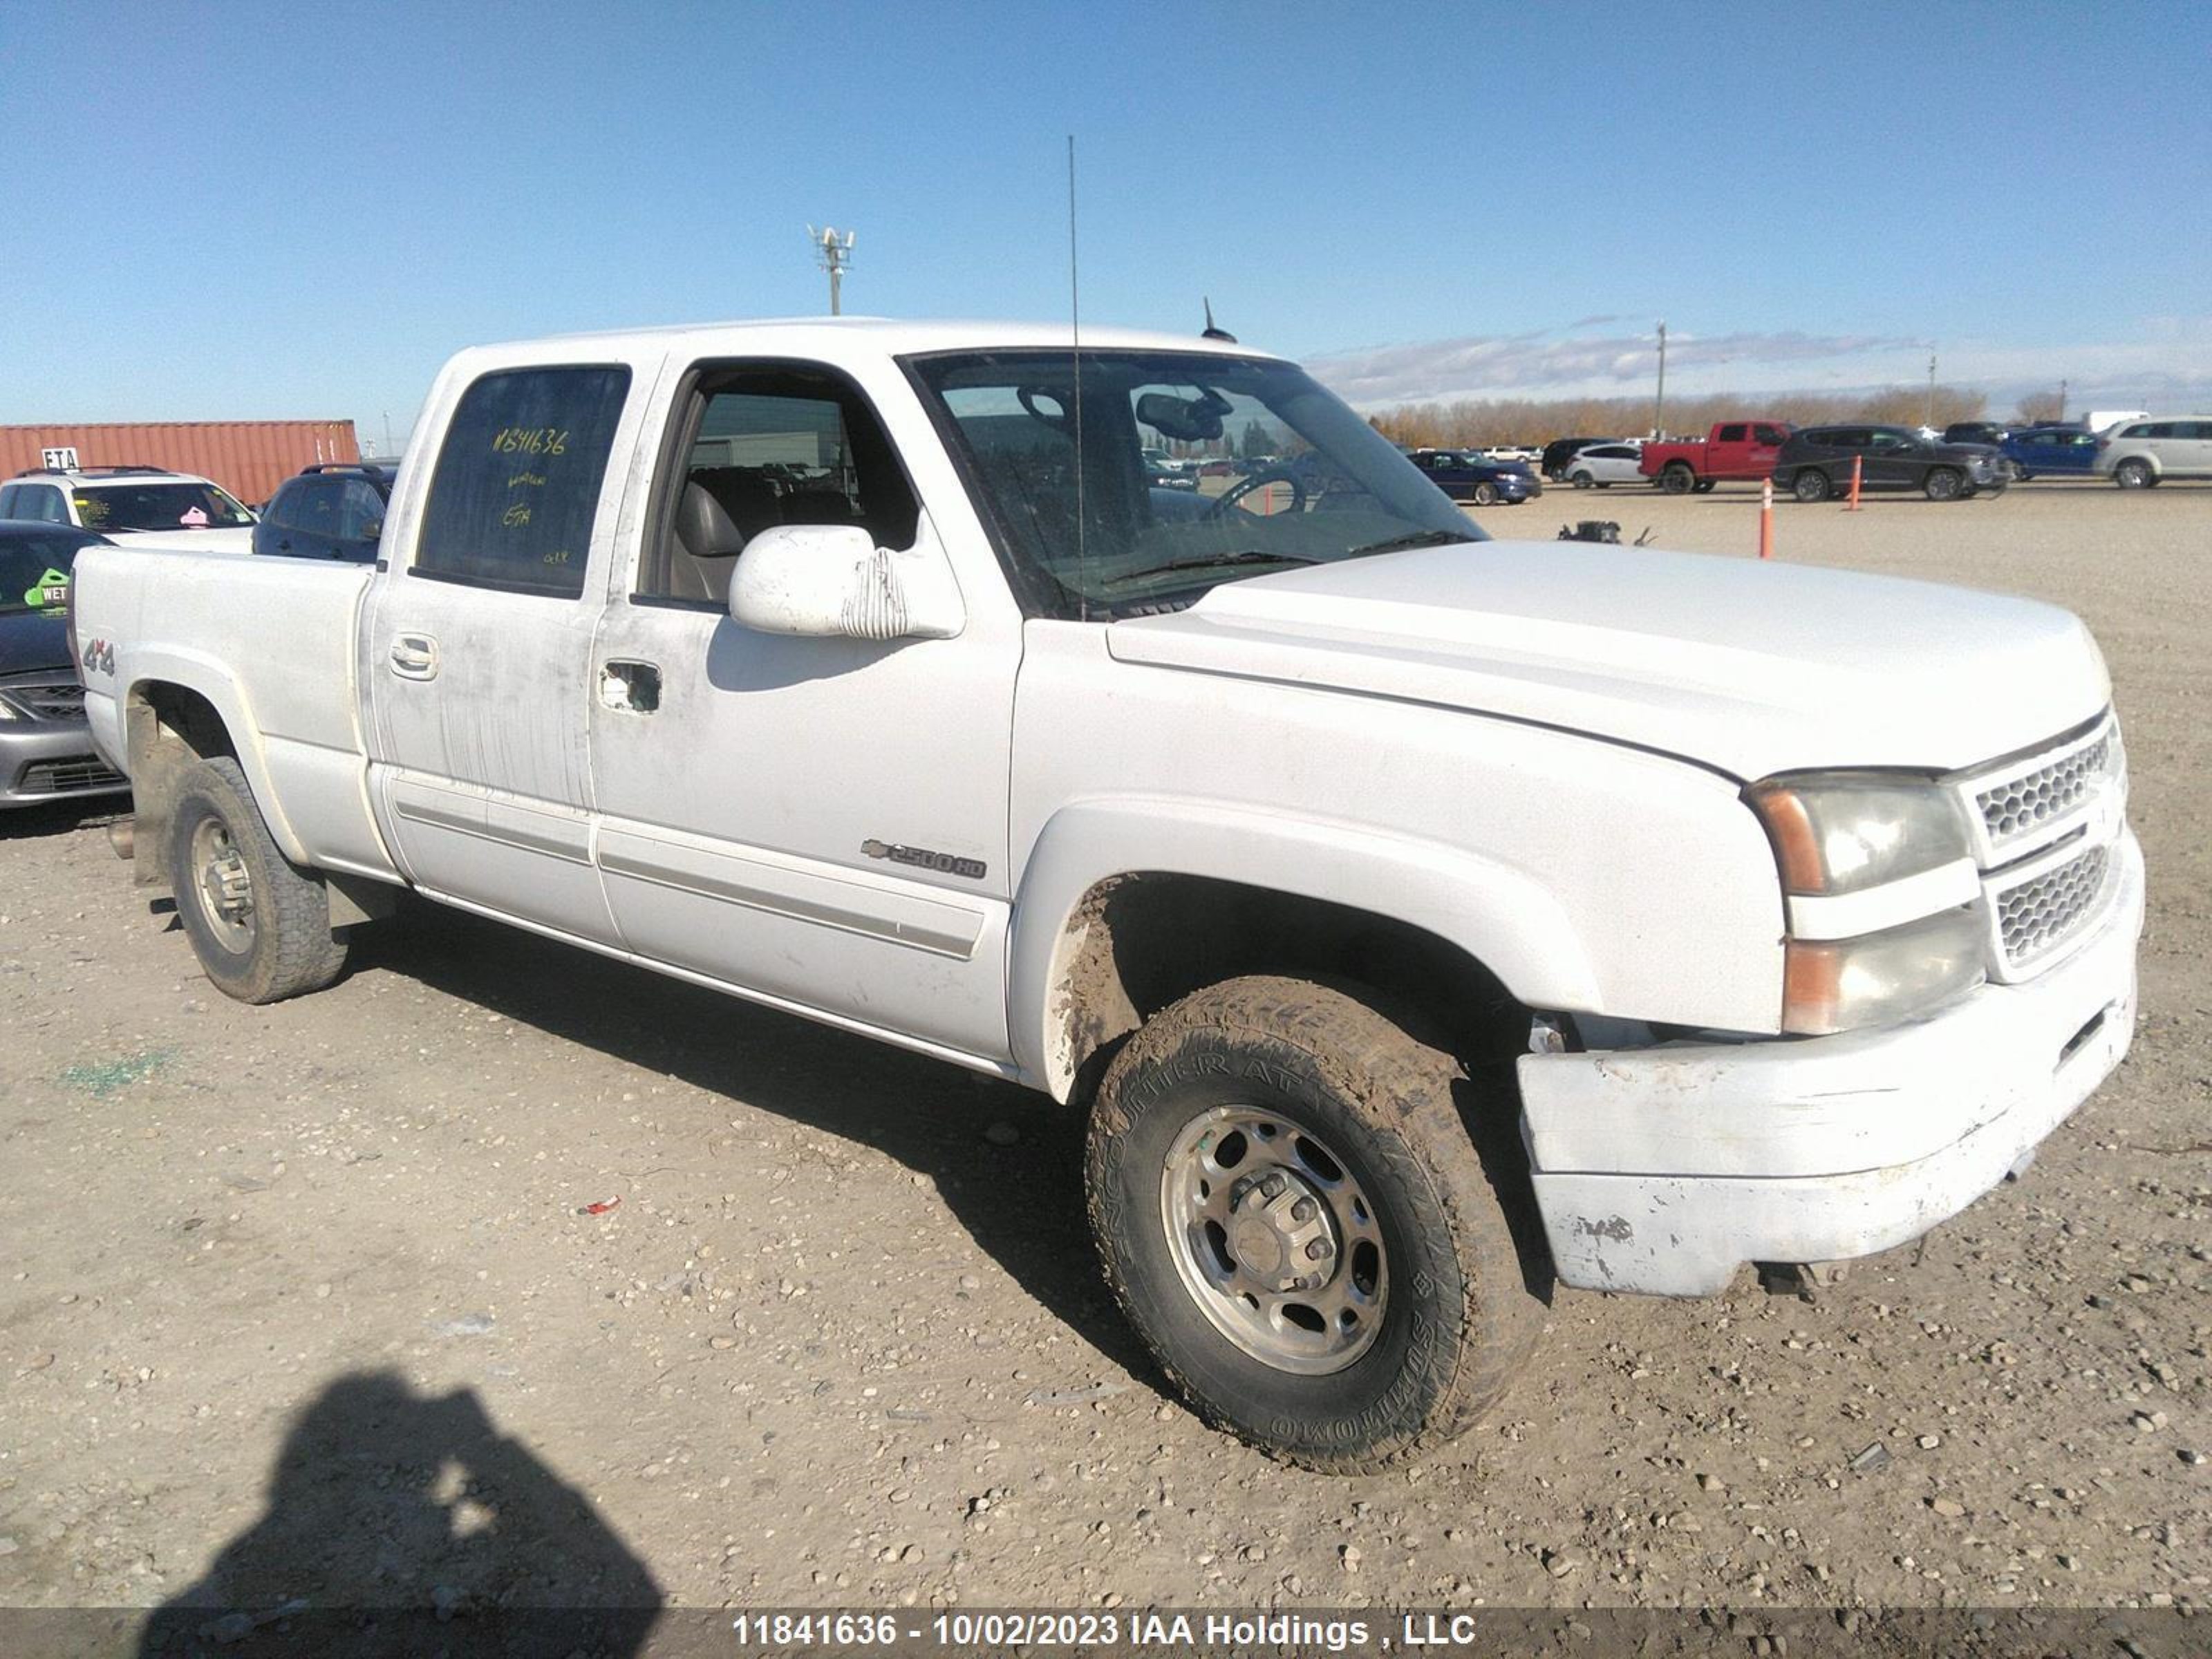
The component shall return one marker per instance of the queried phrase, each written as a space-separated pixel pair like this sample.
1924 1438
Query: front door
478 652
820 821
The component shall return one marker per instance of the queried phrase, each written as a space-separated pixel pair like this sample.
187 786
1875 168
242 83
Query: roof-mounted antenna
1212 331
1075 351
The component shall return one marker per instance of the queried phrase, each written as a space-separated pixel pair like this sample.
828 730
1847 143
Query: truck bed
272 644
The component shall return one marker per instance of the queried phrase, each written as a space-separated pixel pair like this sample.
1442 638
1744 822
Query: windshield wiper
1419 539
1209 561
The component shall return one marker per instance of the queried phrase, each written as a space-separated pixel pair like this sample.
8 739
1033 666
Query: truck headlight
1841 832
1832 985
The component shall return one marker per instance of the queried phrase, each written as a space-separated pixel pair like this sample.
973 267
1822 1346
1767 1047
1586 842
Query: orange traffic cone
1852 505
1766 519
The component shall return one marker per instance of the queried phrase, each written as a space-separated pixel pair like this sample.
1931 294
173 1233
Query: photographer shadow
399 1523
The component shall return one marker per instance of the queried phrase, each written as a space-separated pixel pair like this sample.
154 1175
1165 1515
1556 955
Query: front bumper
1662 1170
51 760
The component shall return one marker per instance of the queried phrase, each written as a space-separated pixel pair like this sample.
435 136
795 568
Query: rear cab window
516 490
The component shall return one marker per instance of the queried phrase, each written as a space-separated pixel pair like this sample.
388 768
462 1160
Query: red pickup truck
1733 449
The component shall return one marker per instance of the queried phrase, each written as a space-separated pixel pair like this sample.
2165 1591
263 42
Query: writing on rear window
517 486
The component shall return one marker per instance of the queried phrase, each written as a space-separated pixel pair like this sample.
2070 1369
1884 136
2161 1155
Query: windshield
34 571
183 506
1318 483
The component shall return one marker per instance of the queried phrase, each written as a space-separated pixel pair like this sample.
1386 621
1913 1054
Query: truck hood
1748 667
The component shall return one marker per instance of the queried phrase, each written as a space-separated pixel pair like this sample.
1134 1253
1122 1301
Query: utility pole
2062 402
1659 406
833 253
1929 419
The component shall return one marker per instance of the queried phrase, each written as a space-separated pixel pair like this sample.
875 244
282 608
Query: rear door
1724 455
2193 451
477 649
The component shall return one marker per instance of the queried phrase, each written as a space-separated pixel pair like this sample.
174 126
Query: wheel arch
179 710
1124 907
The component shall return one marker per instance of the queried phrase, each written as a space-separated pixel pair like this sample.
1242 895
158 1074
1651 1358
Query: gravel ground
316 1293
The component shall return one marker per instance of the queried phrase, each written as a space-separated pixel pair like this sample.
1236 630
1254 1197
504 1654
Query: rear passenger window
517 485
1730 435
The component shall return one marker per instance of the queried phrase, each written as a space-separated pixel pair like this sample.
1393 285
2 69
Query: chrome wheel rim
1274 1240
225 887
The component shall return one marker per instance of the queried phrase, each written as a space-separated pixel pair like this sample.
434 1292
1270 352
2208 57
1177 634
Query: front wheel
1292 1214
1581 480
1810 485
1486 495
260 924
1943 483
2132 475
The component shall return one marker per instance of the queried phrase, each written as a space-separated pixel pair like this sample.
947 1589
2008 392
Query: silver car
2140 453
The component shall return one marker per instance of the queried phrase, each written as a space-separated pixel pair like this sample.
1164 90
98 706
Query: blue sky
263 211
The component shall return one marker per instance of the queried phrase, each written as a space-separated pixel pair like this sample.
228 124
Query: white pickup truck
1415 916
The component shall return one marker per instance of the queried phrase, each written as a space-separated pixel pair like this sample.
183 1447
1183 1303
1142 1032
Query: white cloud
2168 364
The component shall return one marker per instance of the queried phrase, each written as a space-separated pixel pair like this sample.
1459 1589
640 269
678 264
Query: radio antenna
1075 352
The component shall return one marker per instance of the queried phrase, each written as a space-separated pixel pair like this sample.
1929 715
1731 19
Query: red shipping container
249 459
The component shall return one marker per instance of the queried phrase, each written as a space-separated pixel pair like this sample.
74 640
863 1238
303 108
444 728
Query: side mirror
832 581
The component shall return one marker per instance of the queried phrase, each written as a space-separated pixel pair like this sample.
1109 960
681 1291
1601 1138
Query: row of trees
1471 421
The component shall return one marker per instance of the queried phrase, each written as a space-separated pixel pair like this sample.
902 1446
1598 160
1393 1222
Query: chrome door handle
415 657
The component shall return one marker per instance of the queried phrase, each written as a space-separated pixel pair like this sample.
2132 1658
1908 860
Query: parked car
2144 453
1604 466
1470 478
1162 475
1975 431
46 747
333 511
1732 450
1264 843
1551 459
2051 451
129 502
1816 463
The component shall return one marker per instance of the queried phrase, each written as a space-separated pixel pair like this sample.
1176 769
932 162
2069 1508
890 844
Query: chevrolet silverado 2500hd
1415 916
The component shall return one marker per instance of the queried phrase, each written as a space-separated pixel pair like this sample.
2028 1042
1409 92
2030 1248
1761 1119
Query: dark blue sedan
2065 451
1466 477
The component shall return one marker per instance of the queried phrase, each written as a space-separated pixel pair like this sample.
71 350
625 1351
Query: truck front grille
2017 806
2039 914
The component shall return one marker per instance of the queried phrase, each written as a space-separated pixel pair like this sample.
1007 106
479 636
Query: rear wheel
2133 474
1293 1215
260 924
1943 483
1676 479
1810 485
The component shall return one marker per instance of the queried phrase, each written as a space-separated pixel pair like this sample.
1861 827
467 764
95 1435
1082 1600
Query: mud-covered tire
1462 1310
277 941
